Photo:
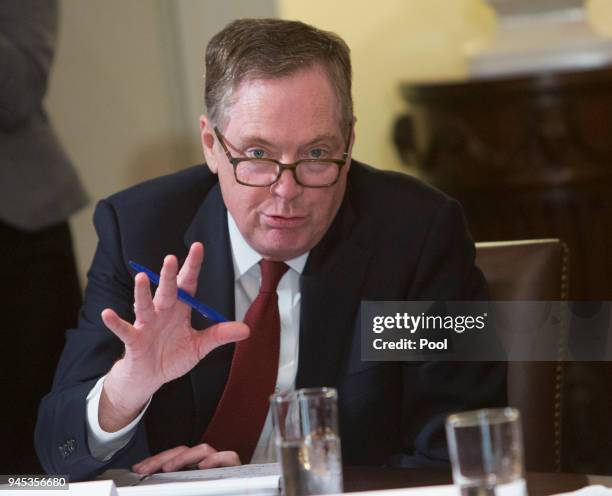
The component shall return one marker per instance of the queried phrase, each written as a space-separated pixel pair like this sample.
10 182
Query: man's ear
351 143
207 138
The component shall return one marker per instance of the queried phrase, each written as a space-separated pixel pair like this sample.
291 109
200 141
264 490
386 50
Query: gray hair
273 48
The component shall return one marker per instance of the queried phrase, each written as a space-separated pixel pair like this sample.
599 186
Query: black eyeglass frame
282 166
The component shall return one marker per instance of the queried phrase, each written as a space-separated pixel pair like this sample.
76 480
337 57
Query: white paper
255 479
125 478
94 488
445 490
590 491
239 472
515 489
260 486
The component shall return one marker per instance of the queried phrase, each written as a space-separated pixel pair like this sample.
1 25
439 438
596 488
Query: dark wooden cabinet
527 157
531 157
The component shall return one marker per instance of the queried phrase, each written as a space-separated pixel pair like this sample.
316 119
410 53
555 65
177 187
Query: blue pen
183 295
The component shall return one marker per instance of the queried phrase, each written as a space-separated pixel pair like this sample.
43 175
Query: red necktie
242 410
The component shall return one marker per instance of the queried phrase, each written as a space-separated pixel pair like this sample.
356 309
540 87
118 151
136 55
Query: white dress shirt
247 279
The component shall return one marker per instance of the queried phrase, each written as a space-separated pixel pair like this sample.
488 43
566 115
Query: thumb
220 334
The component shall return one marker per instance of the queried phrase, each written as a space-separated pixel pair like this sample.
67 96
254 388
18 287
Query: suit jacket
39 186
392 239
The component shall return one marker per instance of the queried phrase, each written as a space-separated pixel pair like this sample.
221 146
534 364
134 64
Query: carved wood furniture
531 157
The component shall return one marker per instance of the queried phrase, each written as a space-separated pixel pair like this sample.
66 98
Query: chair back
531 270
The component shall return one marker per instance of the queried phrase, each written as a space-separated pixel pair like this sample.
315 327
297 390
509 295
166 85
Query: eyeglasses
308 172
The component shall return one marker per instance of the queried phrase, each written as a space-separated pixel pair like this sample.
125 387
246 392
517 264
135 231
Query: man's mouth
283 221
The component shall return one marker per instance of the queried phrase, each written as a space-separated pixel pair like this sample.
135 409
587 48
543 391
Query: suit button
67 448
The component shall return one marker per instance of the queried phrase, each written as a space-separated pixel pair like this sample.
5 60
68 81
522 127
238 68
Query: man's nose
286 186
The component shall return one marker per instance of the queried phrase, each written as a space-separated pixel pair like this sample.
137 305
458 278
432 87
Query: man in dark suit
145 384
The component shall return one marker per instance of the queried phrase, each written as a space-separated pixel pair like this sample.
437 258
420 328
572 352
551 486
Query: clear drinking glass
308 441
486 452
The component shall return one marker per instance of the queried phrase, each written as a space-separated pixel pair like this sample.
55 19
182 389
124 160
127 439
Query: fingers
193 456
221 459
154 463
220 334
188 275
202 456
143 302
123 330
165 296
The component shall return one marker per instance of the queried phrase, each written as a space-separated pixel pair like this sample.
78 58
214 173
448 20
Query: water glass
308 441
486 452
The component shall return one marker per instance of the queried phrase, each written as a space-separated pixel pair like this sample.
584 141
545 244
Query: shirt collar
245 257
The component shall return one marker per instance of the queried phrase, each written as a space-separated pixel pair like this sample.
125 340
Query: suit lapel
216 289
330 286
216 281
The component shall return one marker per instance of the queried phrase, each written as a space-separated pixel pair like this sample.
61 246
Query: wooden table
370 478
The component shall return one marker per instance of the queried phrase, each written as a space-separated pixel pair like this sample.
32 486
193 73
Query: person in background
296 234
39 189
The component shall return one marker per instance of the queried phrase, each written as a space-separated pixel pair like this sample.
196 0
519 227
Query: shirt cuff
103 445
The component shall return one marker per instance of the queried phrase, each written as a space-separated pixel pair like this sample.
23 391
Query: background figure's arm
89 353
27 39
446 271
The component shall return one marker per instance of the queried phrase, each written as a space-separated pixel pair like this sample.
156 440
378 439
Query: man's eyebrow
319 139
254 139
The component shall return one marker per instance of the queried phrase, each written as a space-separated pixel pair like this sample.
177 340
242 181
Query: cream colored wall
126 90
109 101
600 15
393 41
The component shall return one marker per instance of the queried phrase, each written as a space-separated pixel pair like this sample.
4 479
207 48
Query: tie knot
271 273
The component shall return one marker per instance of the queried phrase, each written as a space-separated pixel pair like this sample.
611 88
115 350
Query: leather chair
531 270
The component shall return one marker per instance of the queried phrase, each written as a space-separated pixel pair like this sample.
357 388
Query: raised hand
160 345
